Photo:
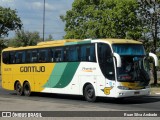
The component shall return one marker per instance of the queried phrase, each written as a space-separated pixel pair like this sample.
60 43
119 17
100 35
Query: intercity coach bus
116 68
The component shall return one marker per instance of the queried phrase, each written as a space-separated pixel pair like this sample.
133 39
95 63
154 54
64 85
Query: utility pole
44 19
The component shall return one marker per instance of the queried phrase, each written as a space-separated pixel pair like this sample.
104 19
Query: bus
116 68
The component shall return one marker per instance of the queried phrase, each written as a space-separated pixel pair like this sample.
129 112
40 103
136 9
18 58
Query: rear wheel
26 89
89 93
18 88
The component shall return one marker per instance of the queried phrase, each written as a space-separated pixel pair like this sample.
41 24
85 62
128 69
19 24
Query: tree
50 38
3 44
9 21
150 15
25 38
103 19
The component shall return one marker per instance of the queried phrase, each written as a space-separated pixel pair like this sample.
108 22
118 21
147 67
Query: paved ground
9 101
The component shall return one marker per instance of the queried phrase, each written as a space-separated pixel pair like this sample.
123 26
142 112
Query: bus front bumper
130 93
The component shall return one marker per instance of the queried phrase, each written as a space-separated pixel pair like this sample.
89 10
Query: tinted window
28 56
51 54
5 57
106 61
34 56
20 57
43 55
72 53
129 49
88 53
58 54
12 57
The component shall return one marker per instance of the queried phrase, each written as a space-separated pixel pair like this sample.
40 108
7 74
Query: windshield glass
128 49
135 65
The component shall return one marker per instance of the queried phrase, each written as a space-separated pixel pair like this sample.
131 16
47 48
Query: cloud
31 14
7 3
40 6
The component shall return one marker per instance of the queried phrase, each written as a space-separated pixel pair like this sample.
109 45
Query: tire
89 93
27 89
18 88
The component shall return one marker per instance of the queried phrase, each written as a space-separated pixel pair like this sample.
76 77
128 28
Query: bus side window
20 57
51 55
34 57
23 57
16 57
58 55
28 56
43 55
5 57
78 53
88 53
72 54
66 54
12 57
83 53
92 54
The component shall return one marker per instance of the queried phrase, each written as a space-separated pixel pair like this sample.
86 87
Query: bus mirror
155 58
118 58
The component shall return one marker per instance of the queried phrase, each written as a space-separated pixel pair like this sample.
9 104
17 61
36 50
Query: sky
31 15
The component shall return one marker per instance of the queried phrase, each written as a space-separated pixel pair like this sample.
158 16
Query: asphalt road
53 102
9 101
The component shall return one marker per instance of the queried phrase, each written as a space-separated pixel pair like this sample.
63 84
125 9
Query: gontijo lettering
32 69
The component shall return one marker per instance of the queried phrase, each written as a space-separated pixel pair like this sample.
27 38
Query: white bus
116 68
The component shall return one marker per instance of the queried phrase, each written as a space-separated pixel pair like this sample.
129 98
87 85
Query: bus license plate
136 93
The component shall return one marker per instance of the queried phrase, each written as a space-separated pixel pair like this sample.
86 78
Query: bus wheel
26 89
18 88
89 93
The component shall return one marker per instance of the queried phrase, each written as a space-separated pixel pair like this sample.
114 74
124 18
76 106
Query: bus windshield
135 66
128 49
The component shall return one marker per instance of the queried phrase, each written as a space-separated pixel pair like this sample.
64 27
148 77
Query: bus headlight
123 88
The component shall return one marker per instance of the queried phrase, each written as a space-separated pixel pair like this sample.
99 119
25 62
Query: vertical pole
44 19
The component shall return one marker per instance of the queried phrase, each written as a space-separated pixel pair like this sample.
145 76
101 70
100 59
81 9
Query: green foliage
149 13
103 19
9 21
25 38
3 44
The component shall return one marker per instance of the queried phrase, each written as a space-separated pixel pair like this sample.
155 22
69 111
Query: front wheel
89 93
27 89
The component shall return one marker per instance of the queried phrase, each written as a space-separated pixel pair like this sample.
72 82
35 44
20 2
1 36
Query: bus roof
72 42
122 41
